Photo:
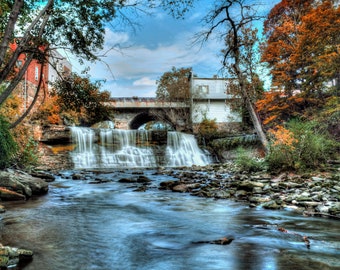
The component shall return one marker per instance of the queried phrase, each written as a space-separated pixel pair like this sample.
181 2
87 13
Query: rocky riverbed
311 194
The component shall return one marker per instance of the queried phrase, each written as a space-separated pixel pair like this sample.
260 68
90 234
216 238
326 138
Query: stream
83 224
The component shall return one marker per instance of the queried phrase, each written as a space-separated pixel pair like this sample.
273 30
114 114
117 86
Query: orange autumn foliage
49 111
302 45
275 107
12 107
283 137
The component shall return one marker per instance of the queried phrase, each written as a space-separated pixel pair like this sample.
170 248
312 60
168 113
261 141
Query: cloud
113 39
145 81
133 62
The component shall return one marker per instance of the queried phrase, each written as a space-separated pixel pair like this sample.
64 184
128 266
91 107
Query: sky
157 44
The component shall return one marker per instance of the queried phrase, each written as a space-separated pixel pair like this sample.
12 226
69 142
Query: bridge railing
144 103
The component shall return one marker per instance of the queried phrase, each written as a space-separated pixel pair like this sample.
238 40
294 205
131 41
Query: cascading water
182 150
84 154
114 148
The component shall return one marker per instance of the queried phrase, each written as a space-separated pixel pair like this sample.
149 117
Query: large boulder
10 256
21 183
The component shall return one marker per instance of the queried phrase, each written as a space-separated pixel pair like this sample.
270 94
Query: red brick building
28 86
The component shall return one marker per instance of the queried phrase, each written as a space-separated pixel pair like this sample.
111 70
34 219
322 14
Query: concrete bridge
210 99
133 112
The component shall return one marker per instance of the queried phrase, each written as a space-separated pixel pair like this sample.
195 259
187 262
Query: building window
36 74
60 67
203 89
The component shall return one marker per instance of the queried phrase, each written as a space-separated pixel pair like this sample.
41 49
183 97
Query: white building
59 66
211 101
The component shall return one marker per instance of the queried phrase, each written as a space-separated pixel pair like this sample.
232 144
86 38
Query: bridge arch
143 118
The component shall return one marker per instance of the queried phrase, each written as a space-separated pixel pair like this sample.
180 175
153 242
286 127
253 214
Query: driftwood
221 241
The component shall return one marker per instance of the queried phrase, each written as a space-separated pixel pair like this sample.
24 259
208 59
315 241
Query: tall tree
281 29
318 48
235 16
39 27
173 88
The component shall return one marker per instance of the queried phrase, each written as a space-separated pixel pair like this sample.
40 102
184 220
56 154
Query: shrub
8 146
247 162
302 145
207 126
27 154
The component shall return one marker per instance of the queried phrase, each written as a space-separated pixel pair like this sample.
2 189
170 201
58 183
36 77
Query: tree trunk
13 17
235 52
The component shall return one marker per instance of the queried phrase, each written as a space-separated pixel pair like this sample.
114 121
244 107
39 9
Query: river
88 225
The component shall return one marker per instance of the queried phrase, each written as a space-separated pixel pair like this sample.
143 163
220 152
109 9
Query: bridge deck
144 103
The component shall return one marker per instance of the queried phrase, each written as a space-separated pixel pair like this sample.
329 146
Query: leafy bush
207 127
246 162
28 157
302 145
8 146
27 153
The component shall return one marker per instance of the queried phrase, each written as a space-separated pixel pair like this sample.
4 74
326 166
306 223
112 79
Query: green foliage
8 146
233 142
174 86
246 162
80 100
310 147
28 157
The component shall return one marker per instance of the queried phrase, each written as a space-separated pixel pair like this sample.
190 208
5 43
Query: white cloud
114 38
145 81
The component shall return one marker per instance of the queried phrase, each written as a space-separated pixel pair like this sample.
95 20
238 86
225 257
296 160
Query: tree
249 62
174 85
39 27
302 45
318 48
235 16
80 95
173 88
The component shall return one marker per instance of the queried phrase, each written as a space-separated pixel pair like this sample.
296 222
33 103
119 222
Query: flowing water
101 223
90 225
132 148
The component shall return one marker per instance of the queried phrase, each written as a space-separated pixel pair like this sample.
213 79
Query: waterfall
84 154
182 150
114 148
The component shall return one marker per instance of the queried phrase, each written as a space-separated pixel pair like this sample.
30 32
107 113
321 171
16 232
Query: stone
221 194
9 195
127 180
185 187
271 205
167 185
249 185
10 256
255 199
309 203
335 208
77 176
240 193
22 183
257 190
322 209
143 179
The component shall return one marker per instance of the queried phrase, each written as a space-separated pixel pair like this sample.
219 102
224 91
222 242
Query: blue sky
159 43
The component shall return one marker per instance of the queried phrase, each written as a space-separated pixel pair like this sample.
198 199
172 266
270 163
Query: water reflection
79 225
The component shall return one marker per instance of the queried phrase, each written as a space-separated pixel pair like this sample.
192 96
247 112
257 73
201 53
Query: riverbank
17 185
311 194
